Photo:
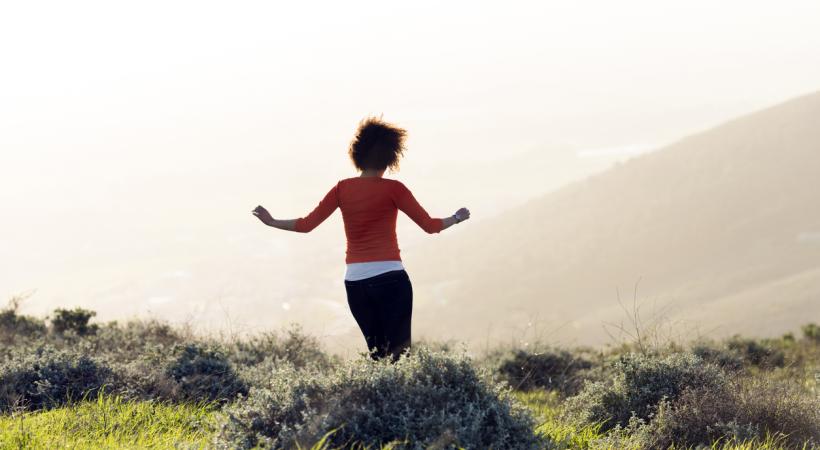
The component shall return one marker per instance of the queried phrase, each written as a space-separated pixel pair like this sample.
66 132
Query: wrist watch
455 216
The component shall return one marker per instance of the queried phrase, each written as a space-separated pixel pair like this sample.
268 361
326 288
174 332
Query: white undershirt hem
362 270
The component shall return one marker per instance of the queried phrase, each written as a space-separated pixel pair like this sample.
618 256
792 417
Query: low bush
194 372
295 347
128 341
745 410
552 369
426 399
441 346
719 355
756 353
738 353
15 327
639 385
203 373
811 331
144 376
75 321
48 378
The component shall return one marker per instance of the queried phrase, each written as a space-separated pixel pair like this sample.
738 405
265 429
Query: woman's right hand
262 214
463 214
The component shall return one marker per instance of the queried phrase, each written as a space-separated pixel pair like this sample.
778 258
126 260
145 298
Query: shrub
776 407
49 378
435 345
553 369
125 342
73 320
13 326
424 399
739 353
750 409
145 376
811 332
297 348
203 372
719 356
756 353
640 383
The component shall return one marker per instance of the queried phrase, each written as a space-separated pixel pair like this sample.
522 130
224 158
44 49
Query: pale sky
128 125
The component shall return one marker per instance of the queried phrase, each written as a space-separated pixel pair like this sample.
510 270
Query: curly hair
377 145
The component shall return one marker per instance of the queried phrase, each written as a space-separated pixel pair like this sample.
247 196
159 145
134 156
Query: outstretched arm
460 216
303 224
408 204
265 217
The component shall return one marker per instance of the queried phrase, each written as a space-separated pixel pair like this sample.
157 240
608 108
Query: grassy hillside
68 382
709 225
110 422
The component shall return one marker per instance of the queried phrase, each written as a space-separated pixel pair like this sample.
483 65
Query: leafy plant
203 372
49 378
73 320
424 399
553 369
640 384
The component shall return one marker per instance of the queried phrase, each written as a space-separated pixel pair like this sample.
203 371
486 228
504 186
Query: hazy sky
124 124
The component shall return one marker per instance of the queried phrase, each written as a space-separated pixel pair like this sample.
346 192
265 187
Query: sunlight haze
136 138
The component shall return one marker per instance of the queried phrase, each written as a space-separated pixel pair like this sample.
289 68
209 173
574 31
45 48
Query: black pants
382 306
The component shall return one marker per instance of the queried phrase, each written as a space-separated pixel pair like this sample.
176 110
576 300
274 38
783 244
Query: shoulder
336 186
395 184
397 188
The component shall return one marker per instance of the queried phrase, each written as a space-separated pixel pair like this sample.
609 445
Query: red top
369 209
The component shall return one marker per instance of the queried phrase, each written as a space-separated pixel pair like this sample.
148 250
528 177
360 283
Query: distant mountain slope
706 224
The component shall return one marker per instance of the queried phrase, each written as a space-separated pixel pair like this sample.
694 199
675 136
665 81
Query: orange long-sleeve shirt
370 207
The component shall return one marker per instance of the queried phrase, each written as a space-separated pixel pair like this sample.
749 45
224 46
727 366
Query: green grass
769 443
110 423
545 406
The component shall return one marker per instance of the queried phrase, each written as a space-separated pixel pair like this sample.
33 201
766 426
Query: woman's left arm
303 224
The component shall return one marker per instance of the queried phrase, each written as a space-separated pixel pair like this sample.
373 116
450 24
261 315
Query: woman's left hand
263 215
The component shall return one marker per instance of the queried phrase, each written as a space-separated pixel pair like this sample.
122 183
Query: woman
378 288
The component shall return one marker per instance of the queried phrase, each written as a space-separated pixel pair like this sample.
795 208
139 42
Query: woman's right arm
460 216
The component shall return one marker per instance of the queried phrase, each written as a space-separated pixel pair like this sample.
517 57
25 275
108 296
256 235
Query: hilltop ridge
704 225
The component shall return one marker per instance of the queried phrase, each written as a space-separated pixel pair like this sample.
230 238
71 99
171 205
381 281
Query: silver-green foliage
743 409
203 373
428 398
47 378
639 384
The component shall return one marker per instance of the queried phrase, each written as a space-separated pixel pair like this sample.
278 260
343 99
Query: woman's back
378 288
369 208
